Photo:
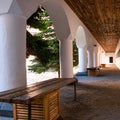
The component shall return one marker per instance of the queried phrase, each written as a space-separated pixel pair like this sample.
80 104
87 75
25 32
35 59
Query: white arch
64 20
28 7
81 37
58 17
19 7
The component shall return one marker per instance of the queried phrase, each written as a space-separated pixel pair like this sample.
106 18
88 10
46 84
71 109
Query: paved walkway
106 74
98 98
5 118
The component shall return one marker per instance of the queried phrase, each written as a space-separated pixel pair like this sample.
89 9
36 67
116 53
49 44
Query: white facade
109 57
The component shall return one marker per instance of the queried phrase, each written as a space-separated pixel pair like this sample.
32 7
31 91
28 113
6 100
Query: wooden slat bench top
23 95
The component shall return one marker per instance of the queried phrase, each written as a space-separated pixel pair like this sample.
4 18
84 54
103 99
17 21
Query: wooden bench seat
40 93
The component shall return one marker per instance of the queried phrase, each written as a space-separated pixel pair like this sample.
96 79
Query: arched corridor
98 98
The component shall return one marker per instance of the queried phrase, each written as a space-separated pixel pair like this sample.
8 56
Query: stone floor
5 118
98 98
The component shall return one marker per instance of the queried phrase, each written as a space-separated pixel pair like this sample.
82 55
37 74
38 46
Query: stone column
95 59
12 51
82 53
90 58
66 58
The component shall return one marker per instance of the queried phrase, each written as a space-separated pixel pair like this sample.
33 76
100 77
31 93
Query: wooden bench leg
75 96
29 111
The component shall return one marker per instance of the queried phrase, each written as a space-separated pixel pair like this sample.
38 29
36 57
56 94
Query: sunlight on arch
80 37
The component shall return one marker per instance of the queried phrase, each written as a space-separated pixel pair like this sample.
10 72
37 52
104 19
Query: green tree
75 54
44 45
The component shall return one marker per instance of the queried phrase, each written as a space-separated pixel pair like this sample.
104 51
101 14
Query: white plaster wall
101 56
58 17
5 5
117 48
28 7
117 62
80 31
107 55
117 55
73 20
75 23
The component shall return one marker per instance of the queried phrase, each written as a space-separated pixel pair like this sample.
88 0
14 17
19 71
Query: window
110 59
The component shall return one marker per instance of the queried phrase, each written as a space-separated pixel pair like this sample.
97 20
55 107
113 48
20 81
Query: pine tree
43 45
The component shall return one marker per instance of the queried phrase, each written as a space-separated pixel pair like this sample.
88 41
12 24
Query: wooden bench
38 101
94 71
103 65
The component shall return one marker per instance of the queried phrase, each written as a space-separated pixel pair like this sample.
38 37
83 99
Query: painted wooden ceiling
102 18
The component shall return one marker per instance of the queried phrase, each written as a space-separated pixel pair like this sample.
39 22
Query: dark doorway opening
110 59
